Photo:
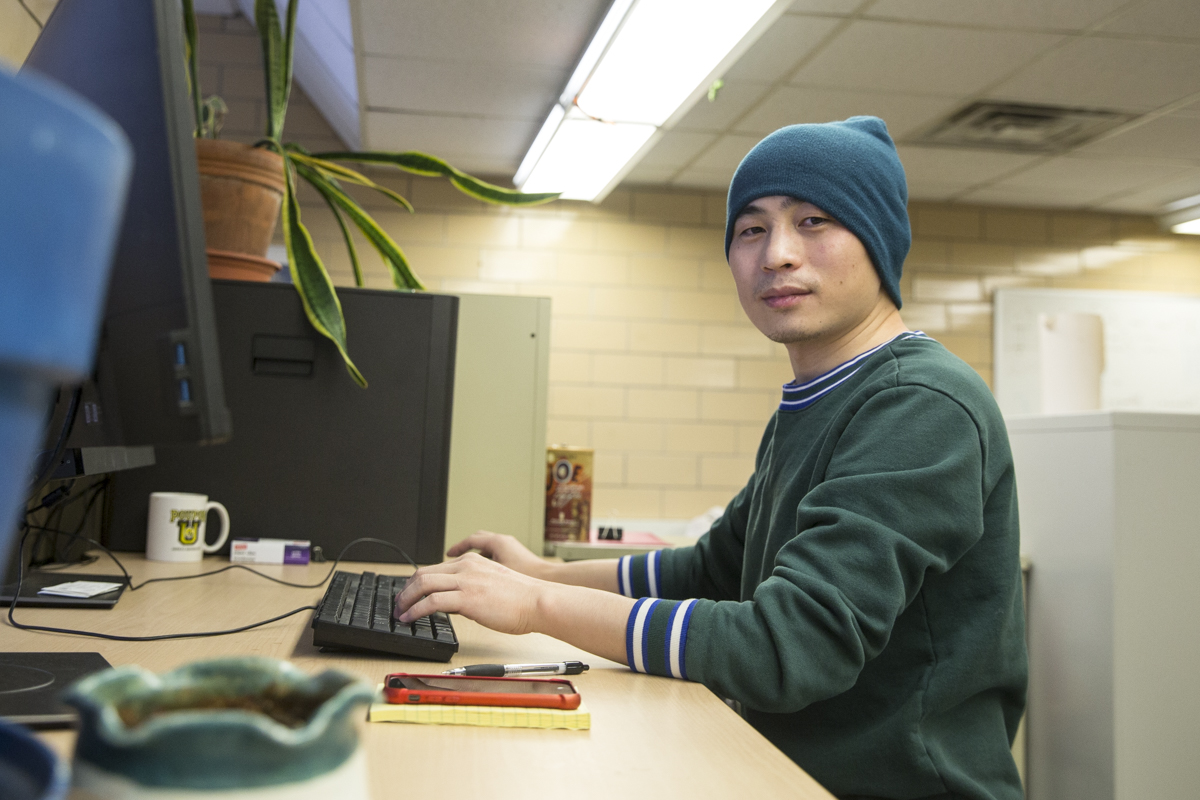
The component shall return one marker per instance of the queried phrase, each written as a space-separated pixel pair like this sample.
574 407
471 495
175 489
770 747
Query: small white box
270 551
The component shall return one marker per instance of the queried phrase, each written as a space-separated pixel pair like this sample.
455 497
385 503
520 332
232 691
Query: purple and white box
270 551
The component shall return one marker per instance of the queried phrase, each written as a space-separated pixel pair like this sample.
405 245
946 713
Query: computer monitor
158 378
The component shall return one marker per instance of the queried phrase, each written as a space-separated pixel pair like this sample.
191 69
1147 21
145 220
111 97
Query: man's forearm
600 573
591 620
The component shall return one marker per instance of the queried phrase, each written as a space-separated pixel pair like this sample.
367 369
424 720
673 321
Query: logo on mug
189 524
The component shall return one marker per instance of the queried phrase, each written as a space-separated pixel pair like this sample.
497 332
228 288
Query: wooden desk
650 737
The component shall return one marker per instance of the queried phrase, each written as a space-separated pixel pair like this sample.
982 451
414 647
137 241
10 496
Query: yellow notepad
577 719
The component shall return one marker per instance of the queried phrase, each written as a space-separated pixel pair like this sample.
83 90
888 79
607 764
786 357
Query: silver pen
505 670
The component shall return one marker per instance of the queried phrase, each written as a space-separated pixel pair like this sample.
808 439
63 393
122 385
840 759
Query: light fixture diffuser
582 157
648 63
1182 216
663 52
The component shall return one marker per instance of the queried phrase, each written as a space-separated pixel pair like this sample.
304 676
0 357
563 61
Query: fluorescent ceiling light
648 63
1186 202
1183 216
663 52
582 157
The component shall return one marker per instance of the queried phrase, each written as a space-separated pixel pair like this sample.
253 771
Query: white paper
1072 349
80 588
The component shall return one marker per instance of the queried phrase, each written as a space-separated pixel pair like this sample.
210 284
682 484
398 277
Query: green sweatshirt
861 596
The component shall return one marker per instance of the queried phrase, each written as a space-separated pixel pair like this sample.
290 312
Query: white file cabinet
1110 517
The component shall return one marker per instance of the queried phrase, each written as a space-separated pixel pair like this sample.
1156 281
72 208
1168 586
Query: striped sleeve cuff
656 636
640 576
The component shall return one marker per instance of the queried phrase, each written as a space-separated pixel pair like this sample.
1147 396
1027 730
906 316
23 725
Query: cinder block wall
653 362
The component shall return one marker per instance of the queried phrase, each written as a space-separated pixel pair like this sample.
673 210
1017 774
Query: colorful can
568 494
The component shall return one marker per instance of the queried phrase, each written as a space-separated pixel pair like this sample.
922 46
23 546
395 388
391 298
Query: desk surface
650 736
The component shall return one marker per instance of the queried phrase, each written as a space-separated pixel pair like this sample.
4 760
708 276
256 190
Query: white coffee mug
176 526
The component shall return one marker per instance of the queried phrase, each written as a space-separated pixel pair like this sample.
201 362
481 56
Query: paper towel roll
1072 347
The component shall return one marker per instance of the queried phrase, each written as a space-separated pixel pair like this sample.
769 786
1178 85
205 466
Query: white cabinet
1110 517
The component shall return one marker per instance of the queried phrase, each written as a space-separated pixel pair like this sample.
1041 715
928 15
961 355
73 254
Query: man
861 596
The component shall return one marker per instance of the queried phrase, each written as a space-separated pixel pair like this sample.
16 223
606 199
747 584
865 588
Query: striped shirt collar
798 396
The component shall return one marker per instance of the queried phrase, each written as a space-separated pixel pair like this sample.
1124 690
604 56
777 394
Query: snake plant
326 172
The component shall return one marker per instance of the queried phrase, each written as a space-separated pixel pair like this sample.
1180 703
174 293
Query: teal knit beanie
849 170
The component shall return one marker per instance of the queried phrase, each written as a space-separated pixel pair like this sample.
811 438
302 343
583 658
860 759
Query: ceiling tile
649 175
731 102
827 6
1121 74
788 105
703 179
531 32
1089 179
777 51
933 191
961 166
676 148
725 155
1152 199
1165 137
1049 198
918 59
471 80
473 144
1071 15
1170 18
425 85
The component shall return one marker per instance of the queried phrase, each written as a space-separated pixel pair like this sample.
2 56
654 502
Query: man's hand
504 550
483 590
506 600
596 573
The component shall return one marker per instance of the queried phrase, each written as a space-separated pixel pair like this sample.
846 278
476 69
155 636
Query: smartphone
401 687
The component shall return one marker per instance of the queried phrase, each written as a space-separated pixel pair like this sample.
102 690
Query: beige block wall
652 361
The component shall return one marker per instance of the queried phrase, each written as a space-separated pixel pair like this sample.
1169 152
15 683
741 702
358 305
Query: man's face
800 275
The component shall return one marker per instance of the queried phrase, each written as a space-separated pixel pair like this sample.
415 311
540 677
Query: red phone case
401 695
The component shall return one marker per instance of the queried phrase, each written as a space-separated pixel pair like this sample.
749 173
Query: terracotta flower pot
241 188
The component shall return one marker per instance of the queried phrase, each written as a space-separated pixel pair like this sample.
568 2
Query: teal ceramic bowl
222 725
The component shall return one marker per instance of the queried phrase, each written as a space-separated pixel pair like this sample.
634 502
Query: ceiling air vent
1021 127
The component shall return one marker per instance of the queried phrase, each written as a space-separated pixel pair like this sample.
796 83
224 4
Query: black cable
59 446
196 635
322 582
97 490
57 501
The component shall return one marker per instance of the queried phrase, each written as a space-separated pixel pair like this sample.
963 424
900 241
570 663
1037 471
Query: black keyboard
356 614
